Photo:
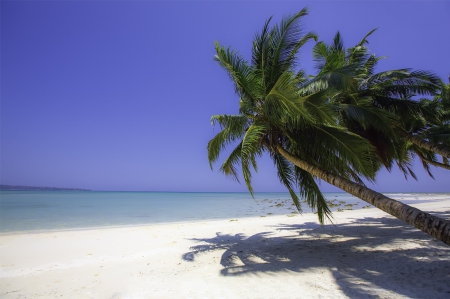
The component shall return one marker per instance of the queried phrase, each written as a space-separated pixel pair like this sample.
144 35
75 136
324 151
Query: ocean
25 211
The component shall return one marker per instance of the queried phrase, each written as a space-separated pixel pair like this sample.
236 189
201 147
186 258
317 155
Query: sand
366 254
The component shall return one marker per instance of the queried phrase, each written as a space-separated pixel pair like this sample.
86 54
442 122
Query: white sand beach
366 254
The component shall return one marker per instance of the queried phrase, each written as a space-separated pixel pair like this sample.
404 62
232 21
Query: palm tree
432 130
435 131
299 131
380 106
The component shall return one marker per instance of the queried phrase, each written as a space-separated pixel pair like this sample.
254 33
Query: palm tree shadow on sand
367 257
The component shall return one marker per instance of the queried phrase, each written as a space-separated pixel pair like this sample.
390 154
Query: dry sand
366 254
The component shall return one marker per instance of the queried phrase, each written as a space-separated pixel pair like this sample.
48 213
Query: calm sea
44 210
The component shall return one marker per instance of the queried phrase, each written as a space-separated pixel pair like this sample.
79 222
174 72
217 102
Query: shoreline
294 213
262 207
365 254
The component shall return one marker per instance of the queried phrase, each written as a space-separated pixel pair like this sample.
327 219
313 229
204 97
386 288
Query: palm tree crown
304 124
279 107
380 106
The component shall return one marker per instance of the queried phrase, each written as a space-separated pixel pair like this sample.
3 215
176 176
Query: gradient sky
118 95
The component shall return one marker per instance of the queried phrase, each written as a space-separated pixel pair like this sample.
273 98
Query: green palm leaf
233 128
287 176
250 149
312 194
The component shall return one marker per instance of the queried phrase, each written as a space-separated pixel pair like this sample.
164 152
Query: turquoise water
43 210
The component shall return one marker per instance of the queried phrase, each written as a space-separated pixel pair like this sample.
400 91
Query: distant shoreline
34 188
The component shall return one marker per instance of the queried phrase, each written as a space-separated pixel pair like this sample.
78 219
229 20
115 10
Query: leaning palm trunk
432 225
438 149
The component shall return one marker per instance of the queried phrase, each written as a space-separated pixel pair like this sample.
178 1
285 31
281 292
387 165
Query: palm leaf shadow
358 254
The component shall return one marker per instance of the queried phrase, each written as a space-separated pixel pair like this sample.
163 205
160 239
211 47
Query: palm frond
370 63
335 146
364 39
229 166
369 116
283 44
319 106
338 44
404 82
312 194
251 147
287 176
233 128
242 75
283 100
260 48
320 52
342 78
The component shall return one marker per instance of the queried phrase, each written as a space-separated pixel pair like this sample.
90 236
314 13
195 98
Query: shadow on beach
366 257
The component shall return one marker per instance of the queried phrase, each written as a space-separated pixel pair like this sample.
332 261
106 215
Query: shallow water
43 210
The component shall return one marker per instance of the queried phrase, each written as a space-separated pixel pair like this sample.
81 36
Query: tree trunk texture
432 225
444 151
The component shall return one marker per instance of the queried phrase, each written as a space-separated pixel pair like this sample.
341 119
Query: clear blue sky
117 95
